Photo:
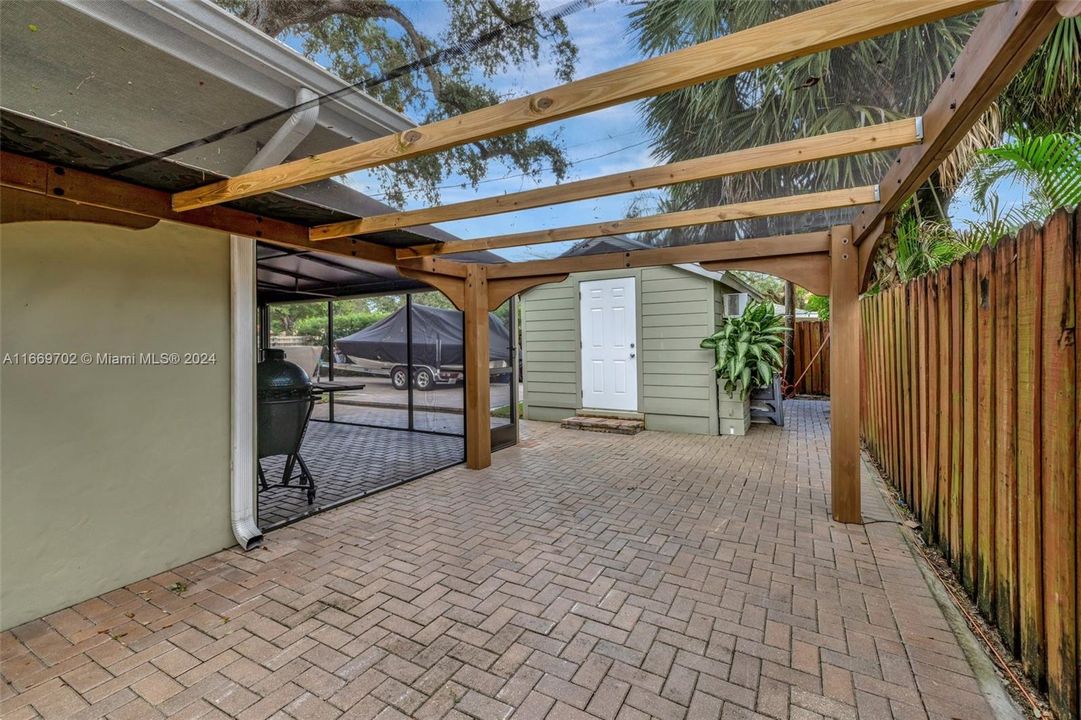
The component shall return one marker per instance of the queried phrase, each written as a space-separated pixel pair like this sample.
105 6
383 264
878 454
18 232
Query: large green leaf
746 348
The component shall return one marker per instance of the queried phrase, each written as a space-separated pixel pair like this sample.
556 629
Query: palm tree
1050 165
1045 97
870 82
882 79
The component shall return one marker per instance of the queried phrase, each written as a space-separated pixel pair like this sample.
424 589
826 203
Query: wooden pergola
834 262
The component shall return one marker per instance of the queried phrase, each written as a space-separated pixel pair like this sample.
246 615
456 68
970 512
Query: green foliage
1049 164
747 348
433 298
861 84
1045 96
344 324
284 317
769 286
820 305
365 39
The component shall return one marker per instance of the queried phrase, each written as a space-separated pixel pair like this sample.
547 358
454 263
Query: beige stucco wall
109 473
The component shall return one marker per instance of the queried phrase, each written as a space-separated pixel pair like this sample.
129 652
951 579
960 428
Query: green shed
625 343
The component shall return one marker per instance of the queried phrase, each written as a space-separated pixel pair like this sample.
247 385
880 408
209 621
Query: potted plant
748 355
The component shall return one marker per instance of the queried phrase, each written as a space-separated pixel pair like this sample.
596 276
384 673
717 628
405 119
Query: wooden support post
789 367
844 367
478 438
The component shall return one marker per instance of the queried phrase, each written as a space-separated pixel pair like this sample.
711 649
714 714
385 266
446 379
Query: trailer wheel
399 377
423 379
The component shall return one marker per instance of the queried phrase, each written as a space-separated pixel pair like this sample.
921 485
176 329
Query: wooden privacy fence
970 405
808 337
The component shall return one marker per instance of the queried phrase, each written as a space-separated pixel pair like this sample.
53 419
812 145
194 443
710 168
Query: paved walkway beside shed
583 575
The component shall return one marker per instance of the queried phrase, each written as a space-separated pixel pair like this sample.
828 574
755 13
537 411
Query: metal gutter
208 37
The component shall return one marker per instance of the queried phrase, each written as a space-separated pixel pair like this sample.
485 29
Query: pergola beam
873 138
1002 42
60 185
811 271
839 23
686 218
764 247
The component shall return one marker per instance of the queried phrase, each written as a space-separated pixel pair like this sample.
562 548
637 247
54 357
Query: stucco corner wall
109 473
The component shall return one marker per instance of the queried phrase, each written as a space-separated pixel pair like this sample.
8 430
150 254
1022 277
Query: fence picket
905 380
1006 605
957 321
968 430
1077 443
985 435
895 388
1058 478
1029 501
931 362
944 407
915 394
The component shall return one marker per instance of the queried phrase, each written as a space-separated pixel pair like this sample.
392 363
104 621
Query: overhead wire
513 176
434 58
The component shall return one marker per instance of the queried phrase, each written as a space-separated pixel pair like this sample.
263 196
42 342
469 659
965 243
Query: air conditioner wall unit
735 303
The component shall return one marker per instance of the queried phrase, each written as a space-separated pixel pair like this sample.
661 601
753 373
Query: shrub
747 348
344 324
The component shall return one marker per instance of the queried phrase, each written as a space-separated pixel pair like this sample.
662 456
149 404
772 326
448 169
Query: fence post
844 363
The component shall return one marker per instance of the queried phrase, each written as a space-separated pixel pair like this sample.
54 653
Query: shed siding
550 351
677 313
676 310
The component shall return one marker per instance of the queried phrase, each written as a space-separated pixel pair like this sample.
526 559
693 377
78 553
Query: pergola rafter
685 218
839 23
836 261
778 245
857 141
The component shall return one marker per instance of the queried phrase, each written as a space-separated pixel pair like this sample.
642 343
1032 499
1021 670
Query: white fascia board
206 36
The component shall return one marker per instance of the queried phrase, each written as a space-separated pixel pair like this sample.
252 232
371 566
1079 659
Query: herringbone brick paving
583 575
348 461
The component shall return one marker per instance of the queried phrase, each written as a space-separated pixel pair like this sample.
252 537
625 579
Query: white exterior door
609 345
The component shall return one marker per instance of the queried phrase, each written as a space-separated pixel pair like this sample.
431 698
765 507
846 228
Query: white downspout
242 395
243 311
289 135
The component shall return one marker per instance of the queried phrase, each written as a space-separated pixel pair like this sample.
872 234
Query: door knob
632 354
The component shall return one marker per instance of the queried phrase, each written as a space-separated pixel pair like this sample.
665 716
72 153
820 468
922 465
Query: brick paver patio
582 576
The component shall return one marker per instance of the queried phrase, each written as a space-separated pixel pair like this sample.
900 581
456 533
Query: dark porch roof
283 273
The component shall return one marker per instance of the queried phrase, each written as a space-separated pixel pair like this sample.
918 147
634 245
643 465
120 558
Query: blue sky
599 143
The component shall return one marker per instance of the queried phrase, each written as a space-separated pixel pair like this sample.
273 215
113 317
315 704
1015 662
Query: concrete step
618 426
615 414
